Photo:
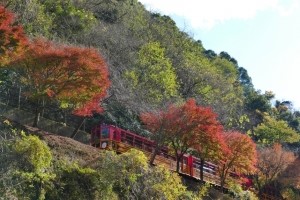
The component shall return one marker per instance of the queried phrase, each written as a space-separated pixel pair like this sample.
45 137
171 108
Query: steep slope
66 147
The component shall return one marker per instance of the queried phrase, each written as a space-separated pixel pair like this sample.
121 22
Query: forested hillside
112 61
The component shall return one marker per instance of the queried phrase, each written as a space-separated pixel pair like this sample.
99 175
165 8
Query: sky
262 35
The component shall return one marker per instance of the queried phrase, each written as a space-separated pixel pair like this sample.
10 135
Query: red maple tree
76 77
181 127
192 125
157 123
210 143
239 157
12 37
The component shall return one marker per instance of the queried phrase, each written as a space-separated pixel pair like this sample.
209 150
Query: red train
113 138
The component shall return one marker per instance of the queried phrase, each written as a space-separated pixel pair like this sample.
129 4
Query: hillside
69 148
67 66
64 168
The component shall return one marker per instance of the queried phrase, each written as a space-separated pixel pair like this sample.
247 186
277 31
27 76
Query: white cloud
207 13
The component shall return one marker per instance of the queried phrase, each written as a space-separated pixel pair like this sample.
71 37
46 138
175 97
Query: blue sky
262 35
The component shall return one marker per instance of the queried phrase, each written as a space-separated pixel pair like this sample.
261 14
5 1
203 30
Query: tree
228 91
256 104
36 158
9 160
33 16
70 20
153 73
189 125
74 181
75 77
212 82
284 111
181 127
158 123
210 143
138 179
240 156
290 176
12 38
135 178
275 131
271 162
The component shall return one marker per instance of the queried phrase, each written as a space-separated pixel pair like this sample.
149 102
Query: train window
208 170
129 139
123 135
147 147
196 165
104 133
138 143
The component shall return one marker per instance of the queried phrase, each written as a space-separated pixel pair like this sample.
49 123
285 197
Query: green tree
36 161
9 161
274 131
32 14
228 92
212 82
255 105
135 179
284 111
74 181
70 20
153 73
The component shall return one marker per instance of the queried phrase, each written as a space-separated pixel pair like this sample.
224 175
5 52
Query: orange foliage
72 75
156 122
273 161
159 123
192 125
209 141
240 155
12 38
184 127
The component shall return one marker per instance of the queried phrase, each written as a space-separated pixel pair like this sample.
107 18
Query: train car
108 137
113 138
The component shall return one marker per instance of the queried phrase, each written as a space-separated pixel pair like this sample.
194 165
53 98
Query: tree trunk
177 165
77 128
201 168
19 98
178 157
223 178
43 108
36 119
222 183
7 97
36 116
38 110
153 155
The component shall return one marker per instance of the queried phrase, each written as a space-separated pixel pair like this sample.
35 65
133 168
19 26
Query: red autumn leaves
12 37
77 77
190 126
72 75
